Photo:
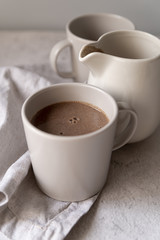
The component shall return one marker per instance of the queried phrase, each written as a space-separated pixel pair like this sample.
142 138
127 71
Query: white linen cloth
25 212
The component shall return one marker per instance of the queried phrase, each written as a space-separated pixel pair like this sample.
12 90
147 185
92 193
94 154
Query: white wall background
53 14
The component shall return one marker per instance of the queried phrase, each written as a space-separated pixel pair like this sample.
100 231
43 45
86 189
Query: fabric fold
13 178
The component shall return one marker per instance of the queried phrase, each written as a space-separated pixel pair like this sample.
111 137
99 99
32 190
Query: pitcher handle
126 126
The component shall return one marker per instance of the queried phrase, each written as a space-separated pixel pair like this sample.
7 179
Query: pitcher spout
94 58
88 49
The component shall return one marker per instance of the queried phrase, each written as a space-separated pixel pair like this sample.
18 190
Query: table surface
129 205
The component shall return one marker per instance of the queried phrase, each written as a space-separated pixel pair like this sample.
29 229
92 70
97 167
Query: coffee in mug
70 118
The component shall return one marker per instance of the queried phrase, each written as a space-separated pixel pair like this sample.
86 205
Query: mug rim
101 14
27 122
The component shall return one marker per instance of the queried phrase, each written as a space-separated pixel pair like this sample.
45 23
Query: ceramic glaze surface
126 64
73 168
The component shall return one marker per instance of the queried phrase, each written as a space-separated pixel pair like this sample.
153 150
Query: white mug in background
83 30
74 168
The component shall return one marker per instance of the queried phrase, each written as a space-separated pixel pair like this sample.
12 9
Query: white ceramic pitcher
126 64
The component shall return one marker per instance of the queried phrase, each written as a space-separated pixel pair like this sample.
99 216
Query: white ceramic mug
74 168
83 30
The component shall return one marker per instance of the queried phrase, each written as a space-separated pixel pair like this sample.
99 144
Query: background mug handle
57 48
126 126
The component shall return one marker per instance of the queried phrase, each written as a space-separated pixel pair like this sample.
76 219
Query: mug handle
126 126
57 48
